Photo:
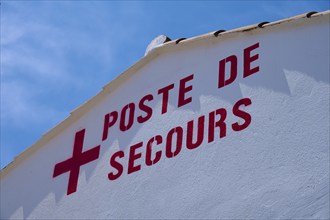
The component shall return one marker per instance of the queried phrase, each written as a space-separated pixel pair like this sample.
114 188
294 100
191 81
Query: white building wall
277 167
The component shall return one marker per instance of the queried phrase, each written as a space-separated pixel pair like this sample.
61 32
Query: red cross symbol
78 159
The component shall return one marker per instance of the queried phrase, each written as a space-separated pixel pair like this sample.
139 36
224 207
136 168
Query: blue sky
55 55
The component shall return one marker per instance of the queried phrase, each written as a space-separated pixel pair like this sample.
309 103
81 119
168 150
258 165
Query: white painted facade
276 167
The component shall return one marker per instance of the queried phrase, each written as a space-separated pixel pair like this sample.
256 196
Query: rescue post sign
169 145
232 126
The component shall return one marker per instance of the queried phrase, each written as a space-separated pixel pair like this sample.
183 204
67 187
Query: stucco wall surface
276 167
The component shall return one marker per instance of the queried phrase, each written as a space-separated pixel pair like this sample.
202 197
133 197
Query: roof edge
115 83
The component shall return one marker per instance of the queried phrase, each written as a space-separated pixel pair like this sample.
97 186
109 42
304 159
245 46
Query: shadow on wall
276 53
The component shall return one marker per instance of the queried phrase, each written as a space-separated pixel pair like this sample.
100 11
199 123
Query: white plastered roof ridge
112 85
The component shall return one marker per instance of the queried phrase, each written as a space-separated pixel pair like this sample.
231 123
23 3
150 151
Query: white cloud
54 56
18 106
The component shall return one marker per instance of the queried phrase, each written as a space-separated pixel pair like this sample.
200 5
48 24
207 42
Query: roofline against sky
111 86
